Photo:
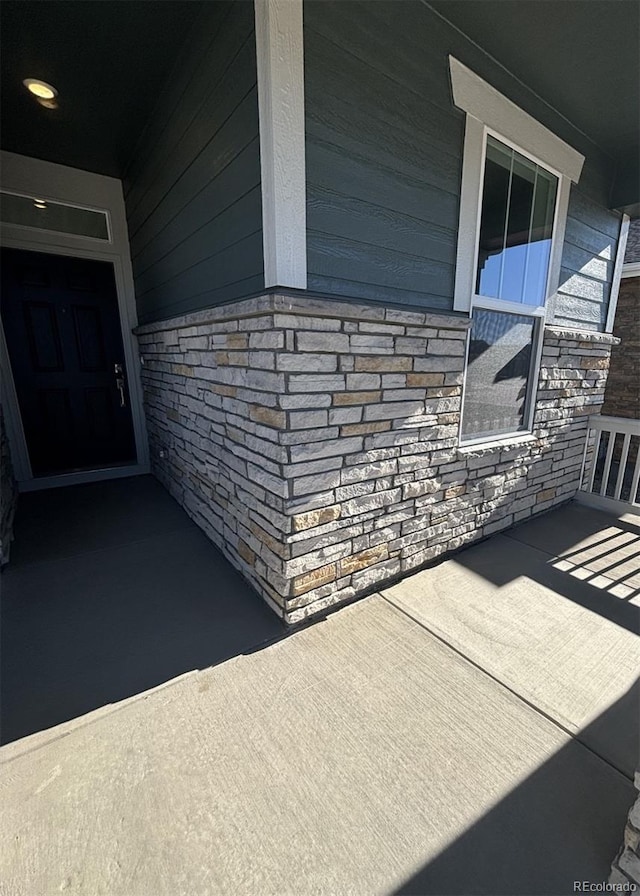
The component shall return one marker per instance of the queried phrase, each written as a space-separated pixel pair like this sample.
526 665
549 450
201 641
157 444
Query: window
515 192
42 214
498 374
514 244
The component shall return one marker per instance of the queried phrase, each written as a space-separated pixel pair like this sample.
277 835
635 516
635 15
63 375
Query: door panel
43 337
90 339
63 333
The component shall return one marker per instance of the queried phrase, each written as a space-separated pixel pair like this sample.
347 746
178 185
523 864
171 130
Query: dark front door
63 333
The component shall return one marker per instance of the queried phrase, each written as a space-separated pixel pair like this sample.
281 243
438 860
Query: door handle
119 372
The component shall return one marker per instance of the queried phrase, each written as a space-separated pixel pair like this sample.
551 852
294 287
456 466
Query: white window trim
488 112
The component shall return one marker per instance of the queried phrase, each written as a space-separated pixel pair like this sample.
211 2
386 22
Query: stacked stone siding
625 870
317 442
622 396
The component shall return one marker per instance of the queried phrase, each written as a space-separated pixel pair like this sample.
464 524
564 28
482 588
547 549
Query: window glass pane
498 373
518 202
46 215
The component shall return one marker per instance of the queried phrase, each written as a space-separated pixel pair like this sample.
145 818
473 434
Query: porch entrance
64 339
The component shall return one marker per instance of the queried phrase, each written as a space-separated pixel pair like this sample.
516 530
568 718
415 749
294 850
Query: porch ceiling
108 59
579 56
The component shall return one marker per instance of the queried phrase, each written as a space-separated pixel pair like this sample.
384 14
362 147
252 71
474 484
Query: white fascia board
280 65
482 101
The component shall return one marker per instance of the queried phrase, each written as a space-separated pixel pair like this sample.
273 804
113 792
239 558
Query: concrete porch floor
473 729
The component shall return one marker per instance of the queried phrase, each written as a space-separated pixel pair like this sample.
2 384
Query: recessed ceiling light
40 89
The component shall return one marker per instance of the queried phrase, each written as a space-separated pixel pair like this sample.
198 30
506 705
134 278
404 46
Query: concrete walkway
467 731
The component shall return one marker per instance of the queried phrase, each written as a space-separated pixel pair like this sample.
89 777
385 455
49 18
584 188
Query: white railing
611 465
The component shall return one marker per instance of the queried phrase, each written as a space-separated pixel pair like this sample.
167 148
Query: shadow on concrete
112 590
568 570
527 845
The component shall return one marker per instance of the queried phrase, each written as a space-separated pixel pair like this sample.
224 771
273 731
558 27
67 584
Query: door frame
58 183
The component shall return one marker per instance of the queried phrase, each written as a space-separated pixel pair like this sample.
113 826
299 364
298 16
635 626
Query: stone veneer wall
626 866
8 495
316 442
622 395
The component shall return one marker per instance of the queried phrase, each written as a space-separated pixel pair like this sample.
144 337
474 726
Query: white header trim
280 58
488 112
484 102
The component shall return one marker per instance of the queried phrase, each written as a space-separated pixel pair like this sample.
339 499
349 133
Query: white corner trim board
617 273
280 66
477 98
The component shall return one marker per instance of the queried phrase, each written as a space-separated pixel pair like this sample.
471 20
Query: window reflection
516 226
498 373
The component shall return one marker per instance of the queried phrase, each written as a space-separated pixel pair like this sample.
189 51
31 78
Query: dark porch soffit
110 60
580 57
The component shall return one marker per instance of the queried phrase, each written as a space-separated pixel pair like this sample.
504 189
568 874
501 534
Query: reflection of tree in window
498 373
515 228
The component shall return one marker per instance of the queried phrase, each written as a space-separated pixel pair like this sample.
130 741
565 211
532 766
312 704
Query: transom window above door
55 217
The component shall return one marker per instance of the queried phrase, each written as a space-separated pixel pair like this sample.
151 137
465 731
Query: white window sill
478 449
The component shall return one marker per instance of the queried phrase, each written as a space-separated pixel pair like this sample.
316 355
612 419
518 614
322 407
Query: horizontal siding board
426 41
208 299
573 324
231 32
362 136
332 169
197 48
209 210
215 197
579 261
583 287
222 269
383 161
332 256
383 165
235 134
585 210
581 310
343 216
220 106
370 292
194 207
402 115
587 262
375 34
384 156
585 237
224 231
